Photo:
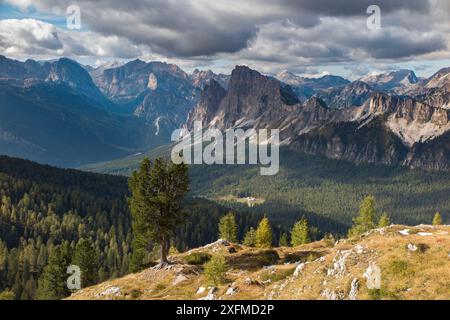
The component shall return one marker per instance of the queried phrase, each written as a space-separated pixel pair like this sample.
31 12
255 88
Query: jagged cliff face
202 78
353 122
252 100
354 94
162 94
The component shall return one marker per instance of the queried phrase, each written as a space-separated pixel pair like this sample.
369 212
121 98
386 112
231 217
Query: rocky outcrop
208 105
352 95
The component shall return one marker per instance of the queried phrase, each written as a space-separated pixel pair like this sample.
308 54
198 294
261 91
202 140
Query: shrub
197 258
216 269
269 257
135 293
160 287
399 267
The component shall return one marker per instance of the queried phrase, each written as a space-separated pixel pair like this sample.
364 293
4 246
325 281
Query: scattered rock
359 249
412 247
339 269
353 294
329 294
373 276
299 269
200 290
210 295
179 278
231 290
110 291
272 267
404 232
424 234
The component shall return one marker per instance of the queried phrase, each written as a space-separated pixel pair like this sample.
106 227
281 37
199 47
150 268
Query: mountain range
63 113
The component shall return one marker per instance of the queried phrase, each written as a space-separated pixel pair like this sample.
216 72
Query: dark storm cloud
394 47
339 8
276 31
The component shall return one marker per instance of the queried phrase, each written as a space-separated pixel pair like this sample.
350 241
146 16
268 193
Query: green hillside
328 188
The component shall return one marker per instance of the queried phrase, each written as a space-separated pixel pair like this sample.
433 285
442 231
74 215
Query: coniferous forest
51 218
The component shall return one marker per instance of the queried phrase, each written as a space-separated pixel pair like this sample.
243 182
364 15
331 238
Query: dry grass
405 274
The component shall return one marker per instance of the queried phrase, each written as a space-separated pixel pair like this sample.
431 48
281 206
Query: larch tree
437 219
263 235
228 228
283 241
250 238
366 217
384 221
300 233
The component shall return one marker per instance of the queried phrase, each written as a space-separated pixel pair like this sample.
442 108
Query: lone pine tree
156 205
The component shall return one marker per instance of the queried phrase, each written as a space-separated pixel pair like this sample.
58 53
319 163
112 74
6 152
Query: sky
306 37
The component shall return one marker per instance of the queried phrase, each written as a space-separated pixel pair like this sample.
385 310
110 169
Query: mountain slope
253 100
51 123
413 264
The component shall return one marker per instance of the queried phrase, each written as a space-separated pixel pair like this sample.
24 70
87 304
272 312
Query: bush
197 258
216 269
135 293
269 257
301 256
160 287
399 267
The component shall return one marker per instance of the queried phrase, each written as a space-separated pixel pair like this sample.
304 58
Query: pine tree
228 228
283 242
300 233
365 219
263 236
157 193
384 221
250 238
86 259
437 219
52 283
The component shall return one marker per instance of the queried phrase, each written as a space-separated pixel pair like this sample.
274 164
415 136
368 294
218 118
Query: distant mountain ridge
354 122
393 118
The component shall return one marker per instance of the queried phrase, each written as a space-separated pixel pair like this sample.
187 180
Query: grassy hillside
327 188
413 264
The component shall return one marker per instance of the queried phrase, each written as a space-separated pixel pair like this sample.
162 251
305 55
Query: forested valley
51 218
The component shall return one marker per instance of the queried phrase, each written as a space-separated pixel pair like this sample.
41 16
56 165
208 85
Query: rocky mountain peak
208 105
392 81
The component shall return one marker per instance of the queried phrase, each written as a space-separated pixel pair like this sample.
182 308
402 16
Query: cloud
274 35
24 38
28 36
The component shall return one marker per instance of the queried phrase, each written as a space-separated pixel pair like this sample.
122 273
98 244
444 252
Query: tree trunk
164 252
